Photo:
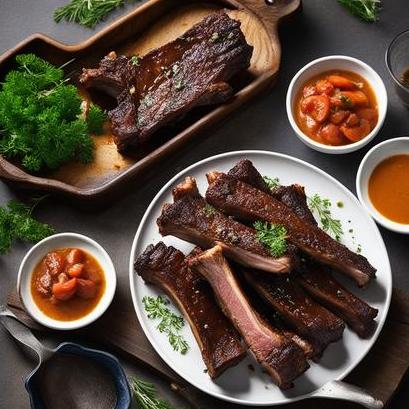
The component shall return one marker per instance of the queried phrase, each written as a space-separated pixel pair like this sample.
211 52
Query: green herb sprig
272 183
41 119
17 223
366 10
87 13
273 236
322 208
146 396
170 323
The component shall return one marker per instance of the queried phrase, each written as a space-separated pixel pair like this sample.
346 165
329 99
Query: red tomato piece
352 120
75 256
357 98
332 134
64 291
54 263
338 81
369 114
338 116
308 91
318 106
356 133
76 270
86 289
324 87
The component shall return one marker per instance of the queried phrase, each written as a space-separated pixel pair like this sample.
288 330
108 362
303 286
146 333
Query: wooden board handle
270 12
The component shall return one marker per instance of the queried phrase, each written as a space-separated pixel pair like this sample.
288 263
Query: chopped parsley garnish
41 117
17 223
366 10
346 100
170 323
179 84
215 37
273 236
209 209
272 183
135 59
322 208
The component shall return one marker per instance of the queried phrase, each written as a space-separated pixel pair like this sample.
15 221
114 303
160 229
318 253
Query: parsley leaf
272 183
322 207
40 117
170 323
16 222
273 236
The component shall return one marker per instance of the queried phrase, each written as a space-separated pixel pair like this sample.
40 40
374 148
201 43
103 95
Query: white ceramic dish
34 256
239 384
377 154
337 62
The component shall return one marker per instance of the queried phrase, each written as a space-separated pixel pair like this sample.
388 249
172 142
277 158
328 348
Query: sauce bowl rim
362 184
379 90
105 301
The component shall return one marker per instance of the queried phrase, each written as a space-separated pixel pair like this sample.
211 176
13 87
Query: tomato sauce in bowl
67 284
336 108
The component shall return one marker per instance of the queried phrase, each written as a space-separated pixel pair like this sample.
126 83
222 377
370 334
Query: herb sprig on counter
170 323
41 119
366 10
146 396
273 236
17 223
87 13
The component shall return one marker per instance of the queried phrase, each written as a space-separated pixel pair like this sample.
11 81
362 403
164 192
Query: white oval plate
240 384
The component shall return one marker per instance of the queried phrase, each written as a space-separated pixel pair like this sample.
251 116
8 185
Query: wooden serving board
149 26
381 372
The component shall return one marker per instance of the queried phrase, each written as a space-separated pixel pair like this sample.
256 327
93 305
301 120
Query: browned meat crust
218 340
248 203
307 318
283 359
168 82
322 286
190 218
316 279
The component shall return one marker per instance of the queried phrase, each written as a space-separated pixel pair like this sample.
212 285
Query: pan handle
22 334
345 391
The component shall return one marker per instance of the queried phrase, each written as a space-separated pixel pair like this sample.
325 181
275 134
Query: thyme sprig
170 323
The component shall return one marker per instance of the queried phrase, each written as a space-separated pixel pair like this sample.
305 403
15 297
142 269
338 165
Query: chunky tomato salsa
336 108
67 284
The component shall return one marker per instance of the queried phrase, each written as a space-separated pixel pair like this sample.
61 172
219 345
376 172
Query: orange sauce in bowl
388 188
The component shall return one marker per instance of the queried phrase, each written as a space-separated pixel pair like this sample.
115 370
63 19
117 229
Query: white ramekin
337 62
34 256
377 154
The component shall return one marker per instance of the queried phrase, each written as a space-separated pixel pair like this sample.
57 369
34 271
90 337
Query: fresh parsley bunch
16 222
41 120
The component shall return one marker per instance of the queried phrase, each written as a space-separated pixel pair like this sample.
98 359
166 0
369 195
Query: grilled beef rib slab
161 87
283 359
218 341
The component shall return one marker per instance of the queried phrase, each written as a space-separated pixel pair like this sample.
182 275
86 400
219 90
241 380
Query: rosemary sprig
88 13
146 396
273 236
366 10
322 208
170 323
